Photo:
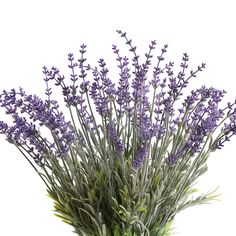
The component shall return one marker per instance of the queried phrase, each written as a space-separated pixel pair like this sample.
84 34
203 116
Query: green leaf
157 180
117 231
142 209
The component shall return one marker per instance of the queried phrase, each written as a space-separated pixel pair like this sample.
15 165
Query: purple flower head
101 102
172 159
229 129
3 127
26 136
139 157
206 116
23 131
74 93
134 112
102 89
108 87
119 146
144 124
123 94
139 87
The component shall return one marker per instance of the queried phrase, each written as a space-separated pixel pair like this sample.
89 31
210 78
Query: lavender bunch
124 159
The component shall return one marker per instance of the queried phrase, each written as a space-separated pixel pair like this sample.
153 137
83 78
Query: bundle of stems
125 160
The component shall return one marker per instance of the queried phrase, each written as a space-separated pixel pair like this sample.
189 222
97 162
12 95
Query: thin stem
33 166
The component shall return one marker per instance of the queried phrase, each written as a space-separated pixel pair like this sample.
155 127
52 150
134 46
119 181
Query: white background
37 33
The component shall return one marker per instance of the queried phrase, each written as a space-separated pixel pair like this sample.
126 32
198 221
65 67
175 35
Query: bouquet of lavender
126 158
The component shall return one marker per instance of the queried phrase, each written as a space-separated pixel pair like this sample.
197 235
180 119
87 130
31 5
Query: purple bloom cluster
229 129
74 95
205 118
123 93
140 157
102 89
172 159
23 132
119 146
137 110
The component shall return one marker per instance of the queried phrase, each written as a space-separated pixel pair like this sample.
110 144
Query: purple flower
229 130
119 146
26 136
3 127
172 159
139 157
107 86
74 94
144 123
123 94
205 118
145 111
37 111
102 89
100 101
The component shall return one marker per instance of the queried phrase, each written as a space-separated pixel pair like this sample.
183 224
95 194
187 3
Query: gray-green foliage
129 161
97 191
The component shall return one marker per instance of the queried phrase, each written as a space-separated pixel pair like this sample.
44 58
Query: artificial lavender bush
126 158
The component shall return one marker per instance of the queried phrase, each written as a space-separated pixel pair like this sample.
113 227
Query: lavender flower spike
140 156
157 140
115 138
